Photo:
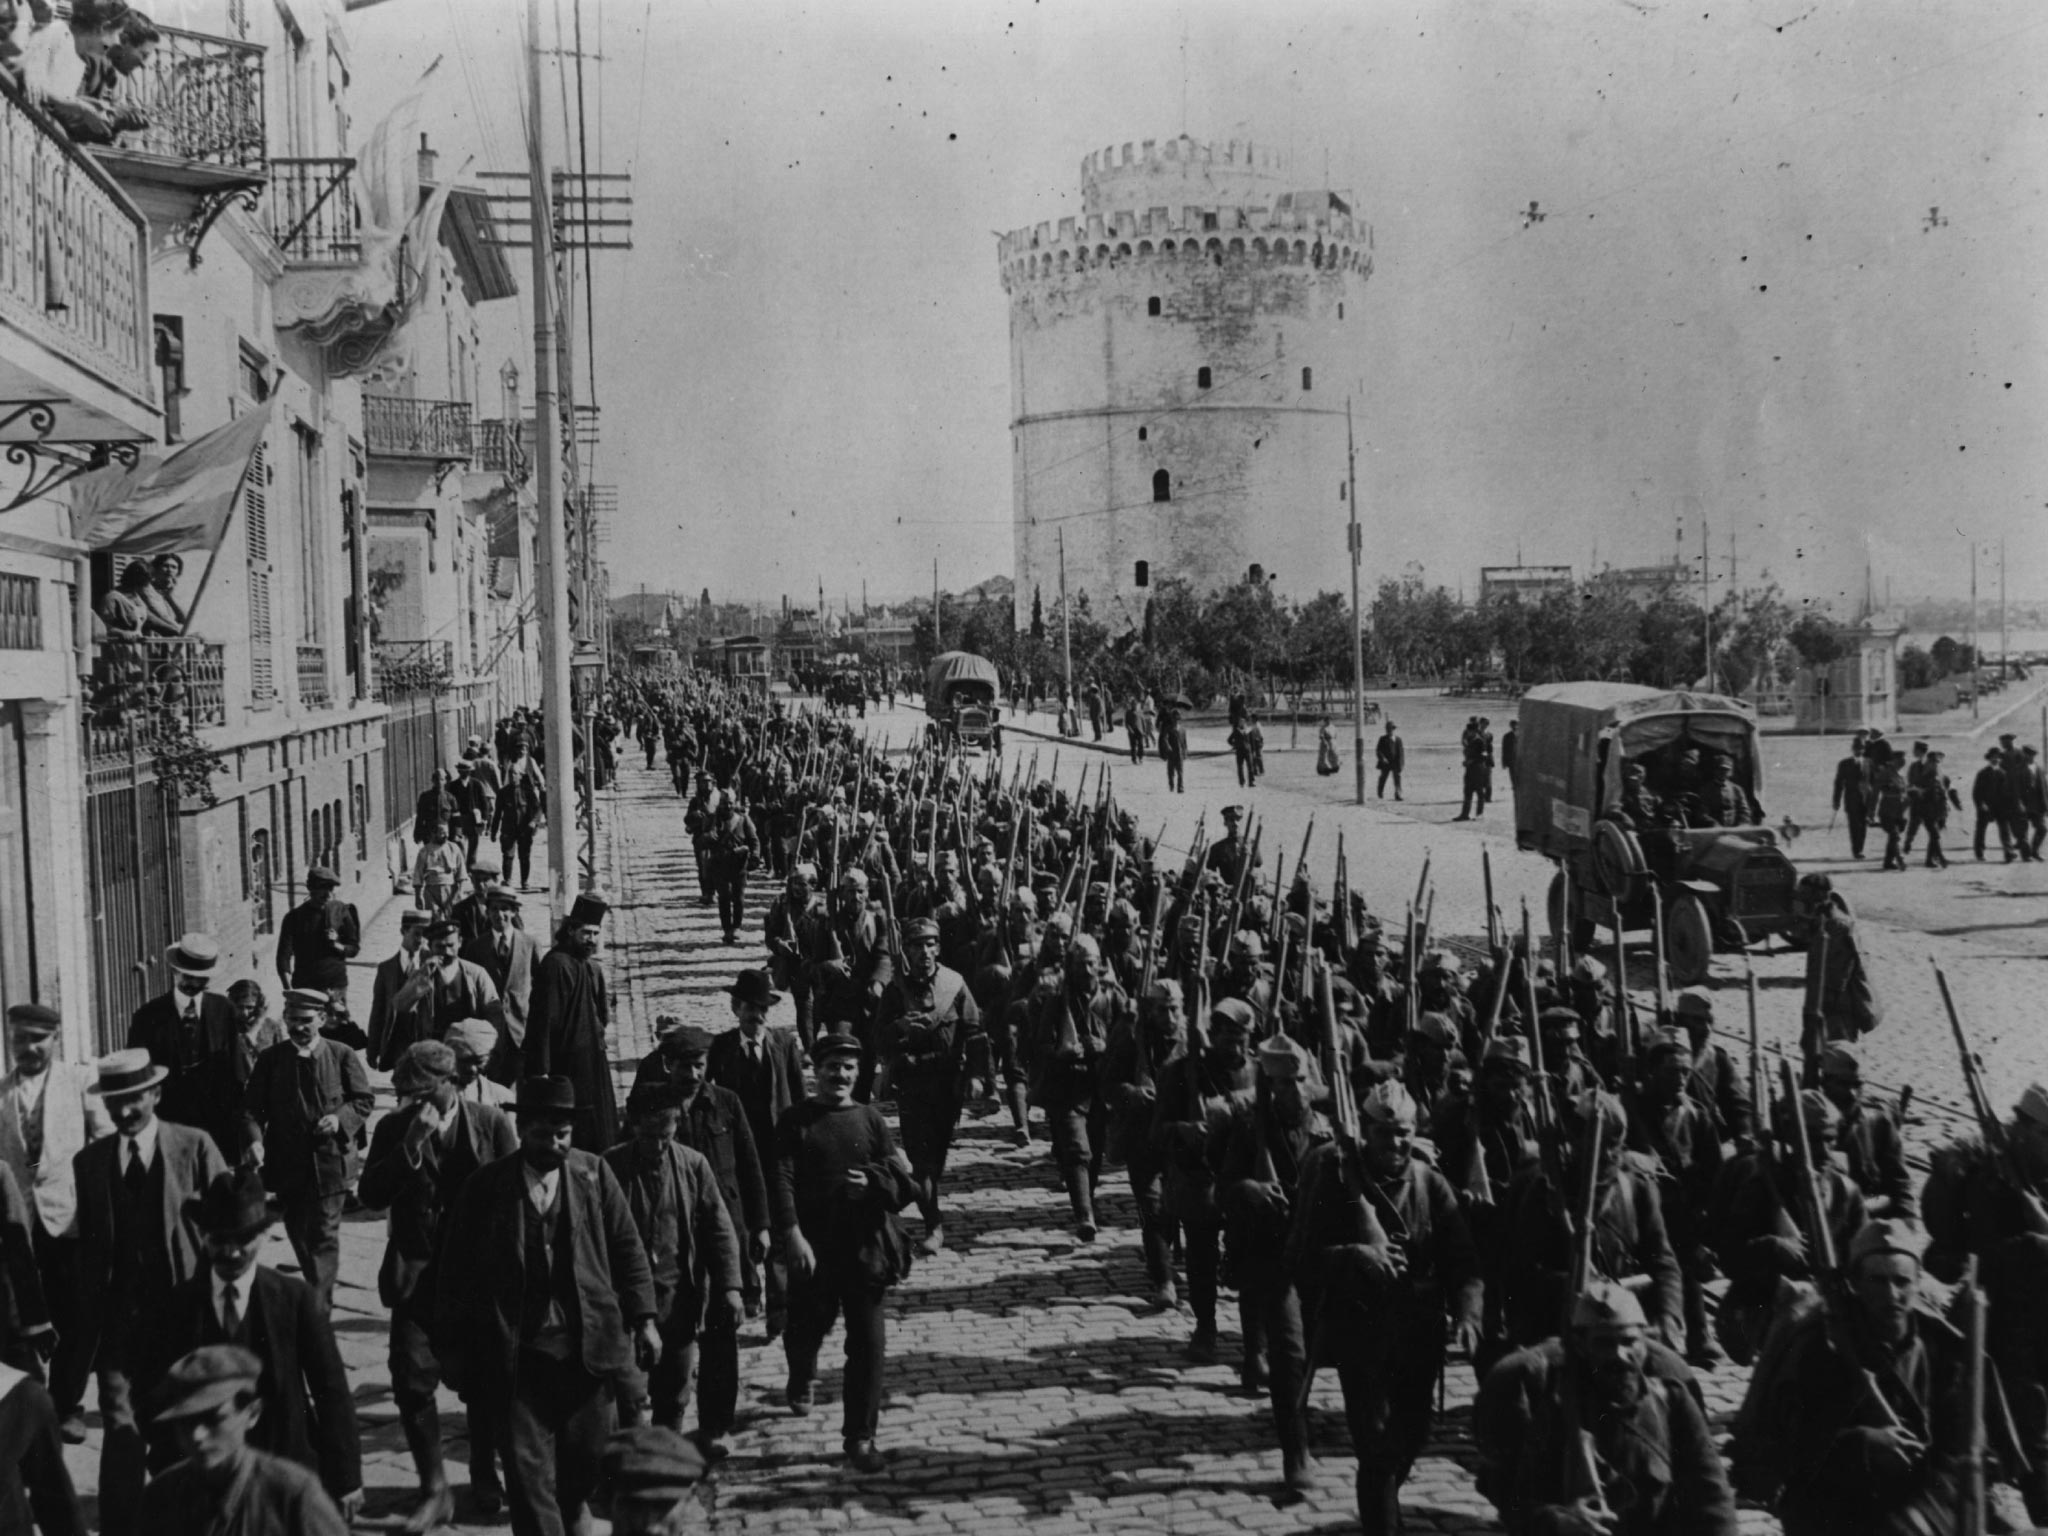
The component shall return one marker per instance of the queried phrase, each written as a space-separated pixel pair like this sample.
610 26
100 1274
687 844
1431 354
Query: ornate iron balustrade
313 214
399 428
203 97
314 692
178 682
74 252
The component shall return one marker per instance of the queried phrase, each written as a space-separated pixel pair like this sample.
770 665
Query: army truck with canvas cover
960 697
1648 801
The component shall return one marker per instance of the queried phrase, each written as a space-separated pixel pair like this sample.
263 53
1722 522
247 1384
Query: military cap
1164 989
1083 944
857 878
1509 1051
1437 1027
1667 1042
1821 1115
806 872
1060 922
2033 1104
1390 1104
652 1463
1694 1004
1838 1058
1608 1109
1246 942
1878 1238
1587 968
205 1379
1024 901
1559 1021
34 1019
920 928
1606 1305
1443 960
424 1064
1234 1013
1233 813
413 917
486 862
308 998
1282 1060
503 899
320 874
439 929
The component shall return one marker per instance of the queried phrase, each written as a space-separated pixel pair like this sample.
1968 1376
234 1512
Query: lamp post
586 673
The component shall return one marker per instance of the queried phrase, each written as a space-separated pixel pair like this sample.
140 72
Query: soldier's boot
1081 1193
1020 1112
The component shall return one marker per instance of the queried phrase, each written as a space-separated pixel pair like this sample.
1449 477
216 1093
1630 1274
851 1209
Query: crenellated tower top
1182 171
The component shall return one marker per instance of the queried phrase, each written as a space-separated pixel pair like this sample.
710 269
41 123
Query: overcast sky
1734 310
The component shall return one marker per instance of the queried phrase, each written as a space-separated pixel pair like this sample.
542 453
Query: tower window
1141 434
1162 486
1202 378
1307 379
1152 305
1340 311
1142 576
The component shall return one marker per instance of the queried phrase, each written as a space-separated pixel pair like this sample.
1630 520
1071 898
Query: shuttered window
256 517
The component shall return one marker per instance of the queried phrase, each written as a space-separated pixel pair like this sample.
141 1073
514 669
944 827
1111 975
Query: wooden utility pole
937 639
1356 544
1066 620
1707 602
553 553
1976 661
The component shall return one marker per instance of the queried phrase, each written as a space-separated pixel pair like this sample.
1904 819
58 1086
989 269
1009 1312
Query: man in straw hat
571 1012
307 1099
544 1303
421 1155
48 1112
212 1401
139 1239
309 1413
190 1032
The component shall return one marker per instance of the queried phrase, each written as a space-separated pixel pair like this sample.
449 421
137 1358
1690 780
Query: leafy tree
1817 639
1917 668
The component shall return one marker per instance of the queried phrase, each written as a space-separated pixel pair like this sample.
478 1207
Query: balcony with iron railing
314 217
314 692
142 689
203 98
398 428
413 666
505 447
74 259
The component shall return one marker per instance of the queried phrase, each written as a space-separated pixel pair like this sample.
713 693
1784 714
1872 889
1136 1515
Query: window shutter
256 516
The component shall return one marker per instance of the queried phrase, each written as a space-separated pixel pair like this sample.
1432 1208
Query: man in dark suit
509 956
691 1246
309 1413
402 1002
319 937
764 1069
715 1124
190 1032
472 914
138 1241
308 1097
421 1155
545 1301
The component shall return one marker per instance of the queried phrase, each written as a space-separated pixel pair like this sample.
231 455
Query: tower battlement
1299 233
1180 171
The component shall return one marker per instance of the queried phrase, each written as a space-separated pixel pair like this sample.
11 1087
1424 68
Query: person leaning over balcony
437 874
164 572
133 610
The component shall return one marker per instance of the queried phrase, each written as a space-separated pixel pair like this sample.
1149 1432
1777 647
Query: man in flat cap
544 1303
838 1179
712 1122
921 1027
317 938
472 914
655 1477
460 989
190 1032
401 1008
48 1112
309 1414
211 1401
1594 1438
568 1021
308 1097
510 957
693 1250
421 1155
139 1239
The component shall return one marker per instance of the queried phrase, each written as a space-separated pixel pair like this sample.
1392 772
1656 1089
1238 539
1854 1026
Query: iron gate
132 843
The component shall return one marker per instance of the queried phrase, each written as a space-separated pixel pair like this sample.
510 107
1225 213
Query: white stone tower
1179 357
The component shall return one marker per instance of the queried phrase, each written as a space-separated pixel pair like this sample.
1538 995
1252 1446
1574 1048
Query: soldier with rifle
1070 1025
1678 1140
847 952
1716 1082
1841 1003
1984 1202
1388 1278
1196 1090
921 1025
1867 1136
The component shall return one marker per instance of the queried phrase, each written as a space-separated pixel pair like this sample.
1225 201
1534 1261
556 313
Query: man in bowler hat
309 1413
138 1240
190 1032
307 1099
764 1069
421 1156
544 1303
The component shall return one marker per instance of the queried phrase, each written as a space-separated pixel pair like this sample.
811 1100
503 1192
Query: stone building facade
1180 355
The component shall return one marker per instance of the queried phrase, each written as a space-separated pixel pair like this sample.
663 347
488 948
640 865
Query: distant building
1645 583
1530 583
1858 691
1178 358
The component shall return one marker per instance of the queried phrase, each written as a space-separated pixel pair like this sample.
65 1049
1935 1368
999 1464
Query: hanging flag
168 504
416 272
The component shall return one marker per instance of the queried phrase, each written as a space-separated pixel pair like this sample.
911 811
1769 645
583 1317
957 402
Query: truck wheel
1688 939
1617 858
